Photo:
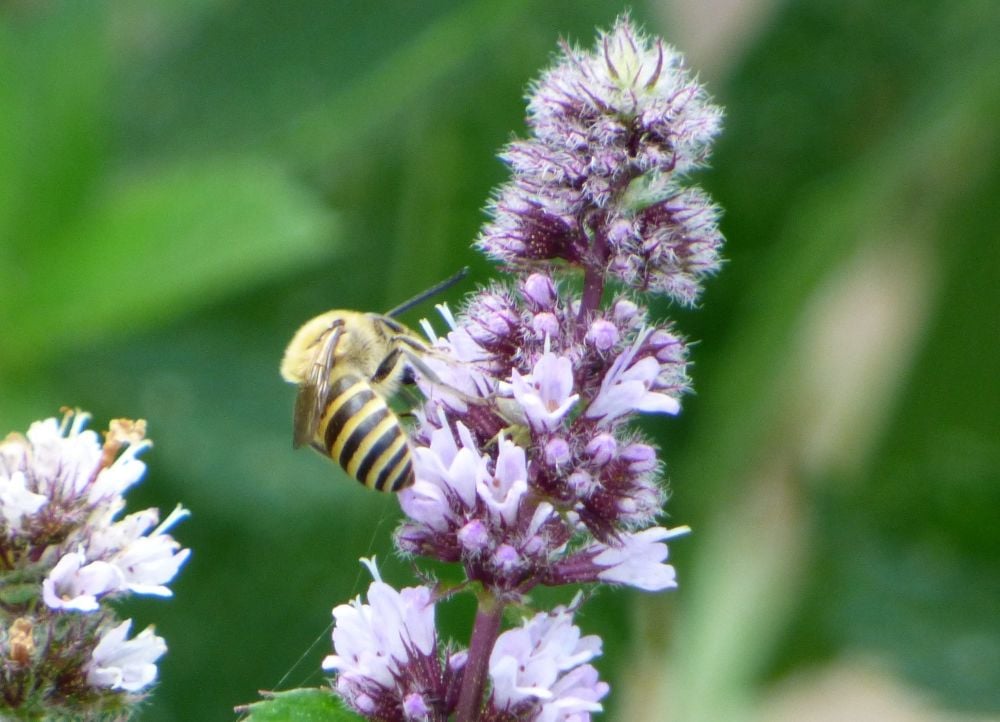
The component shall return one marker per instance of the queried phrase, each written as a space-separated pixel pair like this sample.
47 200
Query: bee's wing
314 392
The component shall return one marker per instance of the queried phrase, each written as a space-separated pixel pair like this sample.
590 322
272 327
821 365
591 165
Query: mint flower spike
528 471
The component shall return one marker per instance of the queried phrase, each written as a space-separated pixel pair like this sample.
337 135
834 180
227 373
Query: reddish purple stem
484 636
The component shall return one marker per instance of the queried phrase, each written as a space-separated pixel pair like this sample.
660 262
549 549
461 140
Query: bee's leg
387 366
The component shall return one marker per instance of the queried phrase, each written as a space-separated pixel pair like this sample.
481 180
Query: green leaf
19 593
298 705
325 132
156 245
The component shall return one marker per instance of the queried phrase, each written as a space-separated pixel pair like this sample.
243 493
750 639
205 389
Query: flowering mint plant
528 470
66 553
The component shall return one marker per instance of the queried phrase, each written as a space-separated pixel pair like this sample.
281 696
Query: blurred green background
182 183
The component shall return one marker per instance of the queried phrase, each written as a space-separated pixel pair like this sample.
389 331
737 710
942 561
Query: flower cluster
528 470
389 667
599 183
65 553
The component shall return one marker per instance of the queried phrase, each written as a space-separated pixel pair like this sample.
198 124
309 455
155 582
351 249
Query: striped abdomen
361 433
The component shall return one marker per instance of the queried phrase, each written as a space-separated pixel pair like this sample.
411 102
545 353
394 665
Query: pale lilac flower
631 386
63 457
574 696
16 501
385 651
448 479
125 664
529 663
112 481
502 492
636 559
639 560
545 395
373 642
147 559
75 585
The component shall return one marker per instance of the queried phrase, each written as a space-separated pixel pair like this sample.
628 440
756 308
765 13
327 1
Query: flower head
613 133
386 651
539 670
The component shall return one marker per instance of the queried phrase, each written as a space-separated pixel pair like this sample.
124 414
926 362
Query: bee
348 364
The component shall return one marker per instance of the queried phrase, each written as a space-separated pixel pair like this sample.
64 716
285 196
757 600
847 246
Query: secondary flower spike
68 552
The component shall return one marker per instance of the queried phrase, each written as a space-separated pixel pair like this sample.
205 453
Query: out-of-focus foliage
183 183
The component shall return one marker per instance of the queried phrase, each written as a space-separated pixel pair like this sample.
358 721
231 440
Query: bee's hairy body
347 365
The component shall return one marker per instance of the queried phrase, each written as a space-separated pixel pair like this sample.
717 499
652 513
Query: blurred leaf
157 245
54 79
399 80
299 705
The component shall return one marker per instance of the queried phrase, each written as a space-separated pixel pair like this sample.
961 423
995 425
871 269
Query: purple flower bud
622 233
492 318
540 291
602 334
506 557
414 707
626 313
601 449
666 347
582 484
474 536
364 704
641 457
545 324
456 662
557 452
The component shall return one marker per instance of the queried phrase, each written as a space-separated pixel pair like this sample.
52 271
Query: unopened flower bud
601 449
557 452
492 318
506 557
602 334
581 483
414 707
666 347
545 324
620 232
641 457
626 313
540 291
473 536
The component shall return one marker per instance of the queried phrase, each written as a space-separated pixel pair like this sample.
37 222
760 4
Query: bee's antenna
432 291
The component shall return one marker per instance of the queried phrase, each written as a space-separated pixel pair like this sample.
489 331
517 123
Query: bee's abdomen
362 434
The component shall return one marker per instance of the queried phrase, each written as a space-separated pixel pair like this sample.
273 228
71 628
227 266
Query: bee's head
309 341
